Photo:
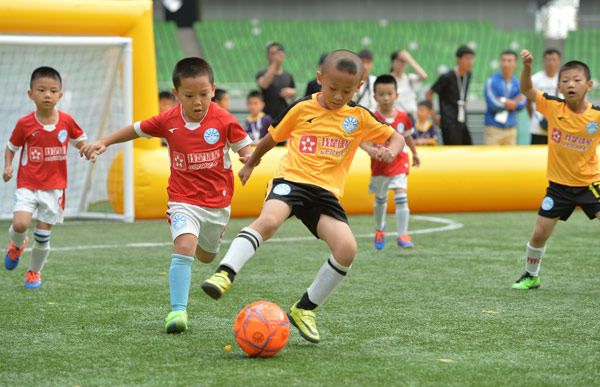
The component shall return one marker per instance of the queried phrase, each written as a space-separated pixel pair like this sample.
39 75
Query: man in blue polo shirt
503 101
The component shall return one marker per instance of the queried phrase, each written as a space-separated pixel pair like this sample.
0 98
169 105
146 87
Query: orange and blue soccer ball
262 329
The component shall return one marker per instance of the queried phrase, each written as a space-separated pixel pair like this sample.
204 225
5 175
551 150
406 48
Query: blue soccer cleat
33 280
13 255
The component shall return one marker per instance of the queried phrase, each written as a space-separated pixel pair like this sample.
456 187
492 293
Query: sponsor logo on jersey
211 136
350 124
282 189
36 154
591 128
311 119
547 203
203 157
577 139
55 153
62 135
336 143
556 135
178 221
173 129
308 144
178 161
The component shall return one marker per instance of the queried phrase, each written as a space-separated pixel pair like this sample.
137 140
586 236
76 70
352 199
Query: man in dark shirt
277 85
452 88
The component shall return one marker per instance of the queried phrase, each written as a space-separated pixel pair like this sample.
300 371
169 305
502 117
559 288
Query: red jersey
402 124
43 162
200 165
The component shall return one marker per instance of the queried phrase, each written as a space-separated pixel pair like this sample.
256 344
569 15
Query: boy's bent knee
204 256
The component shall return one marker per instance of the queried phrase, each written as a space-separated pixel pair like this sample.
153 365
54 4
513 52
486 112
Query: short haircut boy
344 60
365 54
464 50
426 103
191 68
255 94
45 72
575 64
385 79
219 94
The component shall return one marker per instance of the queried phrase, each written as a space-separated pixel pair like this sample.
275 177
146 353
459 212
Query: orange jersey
322 143
572 141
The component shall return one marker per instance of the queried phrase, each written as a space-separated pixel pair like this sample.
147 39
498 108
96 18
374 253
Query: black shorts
308 202
561 200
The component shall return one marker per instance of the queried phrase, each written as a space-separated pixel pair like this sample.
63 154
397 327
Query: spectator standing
313 86
408 84
365 96
452 88
545 81
503 100
276 84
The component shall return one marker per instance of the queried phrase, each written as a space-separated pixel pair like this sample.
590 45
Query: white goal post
97 91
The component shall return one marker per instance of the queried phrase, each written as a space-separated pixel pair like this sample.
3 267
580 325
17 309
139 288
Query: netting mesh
93 93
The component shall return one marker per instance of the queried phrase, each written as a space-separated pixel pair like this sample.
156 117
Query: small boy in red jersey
324 131
391 176
573 171
199 134
44 136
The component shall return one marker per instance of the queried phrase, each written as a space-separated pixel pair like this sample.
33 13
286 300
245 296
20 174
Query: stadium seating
168 51
236 48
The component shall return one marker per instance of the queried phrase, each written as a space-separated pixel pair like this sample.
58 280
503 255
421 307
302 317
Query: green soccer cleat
176 321
304 320
216 285
527 281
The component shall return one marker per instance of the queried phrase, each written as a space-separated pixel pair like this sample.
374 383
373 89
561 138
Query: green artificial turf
442 313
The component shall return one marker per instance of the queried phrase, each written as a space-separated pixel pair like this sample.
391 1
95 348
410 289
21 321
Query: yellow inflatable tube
450 179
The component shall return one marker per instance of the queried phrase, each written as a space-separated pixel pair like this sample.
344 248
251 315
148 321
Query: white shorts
379 185
207 224
50 204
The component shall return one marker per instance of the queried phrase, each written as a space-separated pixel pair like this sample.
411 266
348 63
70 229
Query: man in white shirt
408 83
365 95
545 81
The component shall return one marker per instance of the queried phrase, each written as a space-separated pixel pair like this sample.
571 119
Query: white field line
448 225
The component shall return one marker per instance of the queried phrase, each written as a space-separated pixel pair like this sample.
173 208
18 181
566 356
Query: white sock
242 249
40 251
328 278
17 238
379 210
402 213
534 259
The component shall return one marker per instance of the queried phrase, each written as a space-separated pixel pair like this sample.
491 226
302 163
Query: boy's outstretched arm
264 145
526 85
93 149
388 153
9 155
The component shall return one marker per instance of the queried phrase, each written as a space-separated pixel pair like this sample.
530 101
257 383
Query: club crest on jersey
282 189
591 128
350 124
211 136
62 135
547 203
178 221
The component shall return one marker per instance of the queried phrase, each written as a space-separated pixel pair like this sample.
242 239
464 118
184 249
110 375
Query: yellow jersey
322 143
572 141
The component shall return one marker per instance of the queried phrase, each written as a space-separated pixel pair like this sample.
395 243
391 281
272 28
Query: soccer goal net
97 91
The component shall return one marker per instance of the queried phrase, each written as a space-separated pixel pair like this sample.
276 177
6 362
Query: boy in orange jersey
199 134
573 171
44 136
391 176
324 131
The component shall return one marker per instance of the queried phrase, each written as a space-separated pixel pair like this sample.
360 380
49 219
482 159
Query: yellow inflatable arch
450 178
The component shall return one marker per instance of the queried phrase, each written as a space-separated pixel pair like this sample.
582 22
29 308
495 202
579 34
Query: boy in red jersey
573 170
391 176
42 179
324 132
199 134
